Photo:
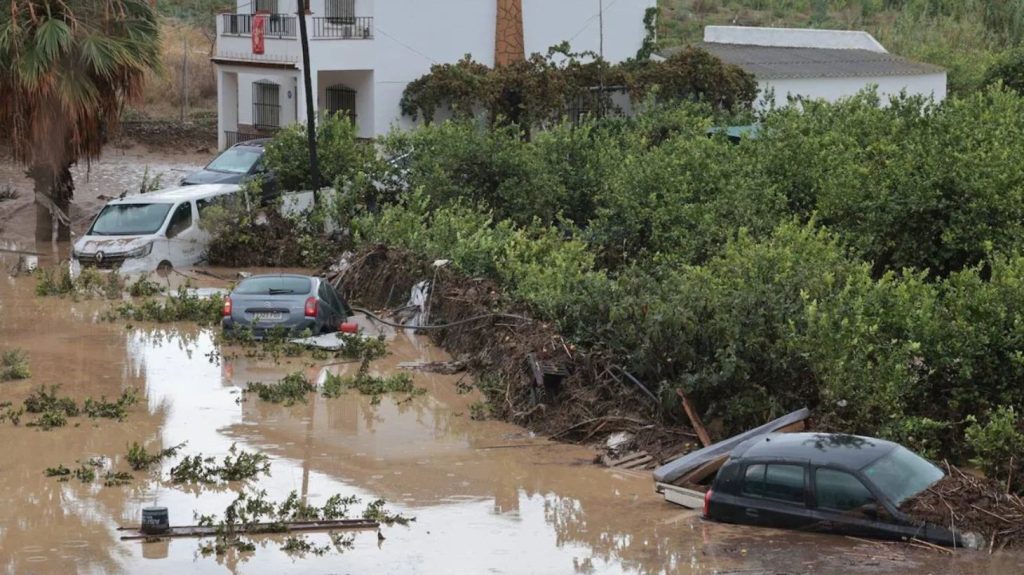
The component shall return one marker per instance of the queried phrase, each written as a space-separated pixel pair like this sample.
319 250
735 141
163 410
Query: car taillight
311 307
707 503
227 307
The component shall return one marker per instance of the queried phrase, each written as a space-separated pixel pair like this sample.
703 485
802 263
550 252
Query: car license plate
268 316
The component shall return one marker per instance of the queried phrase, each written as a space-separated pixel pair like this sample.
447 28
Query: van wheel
164 269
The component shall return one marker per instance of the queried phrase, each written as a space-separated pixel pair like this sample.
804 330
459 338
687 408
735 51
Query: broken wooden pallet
442 367
634 460
135 533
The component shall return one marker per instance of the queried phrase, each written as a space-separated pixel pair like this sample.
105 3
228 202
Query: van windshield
130 219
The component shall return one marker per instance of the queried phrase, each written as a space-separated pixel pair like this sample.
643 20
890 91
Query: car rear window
274 286
840 490
775 481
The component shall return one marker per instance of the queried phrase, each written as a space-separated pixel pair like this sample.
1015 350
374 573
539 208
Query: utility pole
314 166
184 78
600 25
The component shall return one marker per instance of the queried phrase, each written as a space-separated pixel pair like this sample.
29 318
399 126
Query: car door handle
753 513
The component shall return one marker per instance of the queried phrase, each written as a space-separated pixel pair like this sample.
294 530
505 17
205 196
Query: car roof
180 193
851 451
257 143
263 276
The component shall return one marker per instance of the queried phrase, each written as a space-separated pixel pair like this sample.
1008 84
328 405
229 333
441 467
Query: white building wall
834 89
412 35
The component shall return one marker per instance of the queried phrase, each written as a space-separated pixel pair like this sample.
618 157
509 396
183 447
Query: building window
264 7
266 105
341 11
342 100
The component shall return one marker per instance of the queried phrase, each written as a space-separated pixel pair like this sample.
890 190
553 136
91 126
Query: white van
150 231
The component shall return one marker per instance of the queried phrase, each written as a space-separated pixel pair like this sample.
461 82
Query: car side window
181 219
840 491
775 481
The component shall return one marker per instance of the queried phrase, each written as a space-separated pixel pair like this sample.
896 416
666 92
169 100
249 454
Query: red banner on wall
259 27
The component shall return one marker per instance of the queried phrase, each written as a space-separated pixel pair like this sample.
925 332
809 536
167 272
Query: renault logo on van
99 257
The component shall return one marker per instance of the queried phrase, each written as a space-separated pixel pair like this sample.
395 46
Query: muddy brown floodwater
487 496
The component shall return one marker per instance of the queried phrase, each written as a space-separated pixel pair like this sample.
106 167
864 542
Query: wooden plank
689 498
703 472
698 425
624 459
134 533
638 462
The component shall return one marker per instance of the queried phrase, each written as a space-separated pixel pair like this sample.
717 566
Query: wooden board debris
686 497
134 533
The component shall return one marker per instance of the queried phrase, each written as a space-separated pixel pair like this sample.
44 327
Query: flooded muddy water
488 497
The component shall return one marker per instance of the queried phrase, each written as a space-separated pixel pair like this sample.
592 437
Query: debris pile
528 372
971 504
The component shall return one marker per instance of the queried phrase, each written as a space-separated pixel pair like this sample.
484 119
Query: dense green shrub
340 154
545 88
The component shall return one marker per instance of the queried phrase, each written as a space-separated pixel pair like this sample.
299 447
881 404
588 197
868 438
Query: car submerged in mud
157 230
829 483
284 303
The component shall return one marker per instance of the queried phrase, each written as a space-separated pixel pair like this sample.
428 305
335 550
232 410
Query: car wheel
164 269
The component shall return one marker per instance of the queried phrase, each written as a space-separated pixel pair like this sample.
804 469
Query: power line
592 18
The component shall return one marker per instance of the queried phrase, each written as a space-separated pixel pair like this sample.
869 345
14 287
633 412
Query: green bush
998 444
339 153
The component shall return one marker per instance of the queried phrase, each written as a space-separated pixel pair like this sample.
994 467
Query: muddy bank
199 135
589 401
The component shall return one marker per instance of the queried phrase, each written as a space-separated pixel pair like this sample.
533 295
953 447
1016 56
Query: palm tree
67 69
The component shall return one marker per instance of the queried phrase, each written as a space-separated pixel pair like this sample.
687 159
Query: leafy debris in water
117 409
251 509
14 365
292 389
139 459
367 384
238 465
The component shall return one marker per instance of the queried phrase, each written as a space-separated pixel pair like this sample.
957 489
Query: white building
363 53
820 64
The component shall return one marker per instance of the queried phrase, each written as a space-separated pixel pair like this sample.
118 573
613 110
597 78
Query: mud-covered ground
121 168
487 496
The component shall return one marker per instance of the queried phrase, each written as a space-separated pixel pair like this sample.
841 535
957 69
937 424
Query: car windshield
274 286
902 474
130 219
236 160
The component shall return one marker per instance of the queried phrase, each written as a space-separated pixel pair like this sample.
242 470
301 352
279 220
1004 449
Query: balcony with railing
336 34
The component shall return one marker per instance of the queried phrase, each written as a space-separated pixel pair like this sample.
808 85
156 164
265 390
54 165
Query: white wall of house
409 36
362 81
835 89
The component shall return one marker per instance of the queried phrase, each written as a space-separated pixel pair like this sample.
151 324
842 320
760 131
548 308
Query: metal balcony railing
277 26
342 28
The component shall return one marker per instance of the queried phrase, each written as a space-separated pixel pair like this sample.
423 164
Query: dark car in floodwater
830 483
237 165
284 303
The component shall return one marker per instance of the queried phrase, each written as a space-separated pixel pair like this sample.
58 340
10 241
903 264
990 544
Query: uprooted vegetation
140 460
14 365
375 386
87 472
92 283
185 305
54 410
251 514
289 390
972 504
237 465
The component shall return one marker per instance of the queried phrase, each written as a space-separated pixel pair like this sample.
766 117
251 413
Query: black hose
440 326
